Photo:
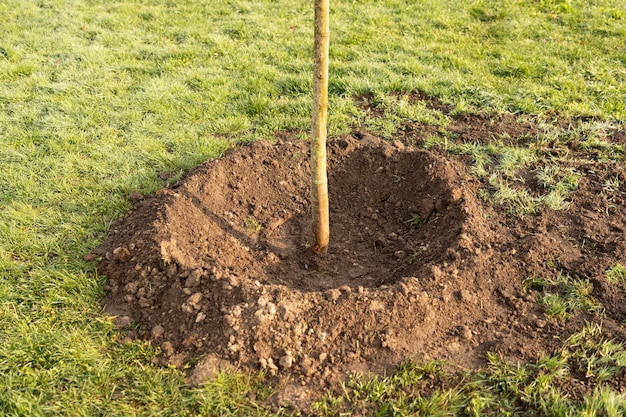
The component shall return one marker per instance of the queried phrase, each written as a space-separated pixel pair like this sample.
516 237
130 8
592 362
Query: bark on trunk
319 193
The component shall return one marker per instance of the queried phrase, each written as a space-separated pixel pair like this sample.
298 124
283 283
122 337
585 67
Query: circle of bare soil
217 266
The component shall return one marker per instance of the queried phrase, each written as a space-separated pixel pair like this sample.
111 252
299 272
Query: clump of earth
217 268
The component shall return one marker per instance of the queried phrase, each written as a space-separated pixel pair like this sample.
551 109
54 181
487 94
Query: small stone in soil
262 301
131 287
208 368
286 361
121 253
269 365
400 254
436 271
90 257
195 299
177 360
465 296
271 309
194 278
122 321
465 333
332 294
454 346
145 302
404 289
157 331
126 339
136 196
167 348
346 289
308 366
170 271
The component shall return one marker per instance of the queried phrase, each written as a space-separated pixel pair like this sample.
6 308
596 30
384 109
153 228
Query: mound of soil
217 266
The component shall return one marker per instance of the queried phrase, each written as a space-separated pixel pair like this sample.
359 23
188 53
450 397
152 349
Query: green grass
503 168
502 388
565 295
98 97
616 275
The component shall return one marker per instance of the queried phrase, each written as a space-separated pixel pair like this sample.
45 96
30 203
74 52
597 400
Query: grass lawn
99 97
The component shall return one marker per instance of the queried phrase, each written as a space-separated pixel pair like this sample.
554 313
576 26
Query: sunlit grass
501 388
616 275
564 295
98 97
502 167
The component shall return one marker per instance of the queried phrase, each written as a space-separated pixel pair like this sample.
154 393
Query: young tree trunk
319 183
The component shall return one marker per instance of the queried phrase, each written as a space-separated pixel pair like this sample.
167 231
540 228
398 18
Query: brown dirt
217 265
